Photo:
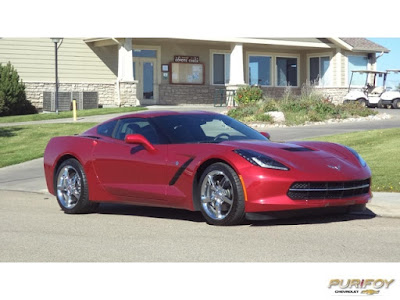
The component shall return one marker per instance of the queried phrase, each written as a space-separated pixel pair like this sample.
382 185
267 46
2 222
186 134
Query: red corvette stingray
204 162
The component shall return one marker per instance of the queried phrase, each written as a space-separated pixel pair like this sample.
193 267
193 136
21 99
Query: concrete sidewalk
27 177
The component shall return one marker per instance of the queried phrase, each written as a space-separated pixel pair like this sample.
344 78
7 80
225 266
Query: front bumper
271 193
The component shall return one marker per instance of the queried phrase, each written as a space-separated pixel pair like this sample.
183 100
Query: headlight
261 160
358 156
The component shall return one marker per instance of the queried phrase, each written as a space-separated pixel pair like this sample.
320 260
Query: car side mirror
141 140
266 134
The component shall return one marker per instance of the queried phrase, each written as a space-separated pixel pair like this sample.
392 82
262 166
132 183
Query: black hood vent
297 149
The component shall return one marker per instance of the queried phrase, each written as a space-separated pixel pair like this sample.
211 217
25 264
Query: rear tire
221 196
396 104
71 188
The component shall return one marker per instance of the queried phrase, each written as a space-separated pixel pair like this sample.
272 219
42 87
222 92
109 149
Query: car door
129 170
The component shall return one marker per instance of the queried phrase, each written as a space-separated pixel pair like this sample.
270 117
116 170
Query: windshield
200 128
368 79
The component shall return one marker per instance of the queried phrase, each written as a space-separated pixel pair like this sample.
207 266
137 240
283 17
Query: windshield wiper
208 142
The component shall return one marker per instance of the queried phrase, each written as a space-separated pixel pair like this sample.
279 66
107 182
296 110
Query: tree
12 93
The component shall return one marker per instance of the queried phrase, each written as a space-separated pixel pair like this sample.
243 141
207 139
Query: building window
319 71
259 70
286 71
221 68
144 53
357 63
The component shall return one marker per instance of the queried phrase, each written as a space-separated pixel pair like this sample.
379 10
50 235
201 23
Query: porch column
125 63
338 62
126 84
236 72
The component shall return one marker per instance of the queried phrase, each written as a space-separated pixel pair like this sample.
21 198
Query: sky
180 18
389 60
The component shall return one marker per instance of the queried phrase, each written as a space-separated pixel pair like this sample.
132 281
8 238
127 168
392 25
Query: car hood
304 156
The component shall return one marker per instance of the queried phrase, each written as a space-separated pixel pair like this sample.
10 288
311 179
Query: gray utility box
84 100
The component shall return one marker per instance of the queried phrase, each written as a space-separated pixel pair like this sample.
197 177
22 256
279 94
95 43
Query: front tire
221 196
363 102
71 188
396 104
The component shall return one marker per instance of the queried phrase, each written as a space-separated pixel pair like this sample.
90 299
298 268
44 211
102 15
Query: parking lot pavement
385 204
34 229
27 177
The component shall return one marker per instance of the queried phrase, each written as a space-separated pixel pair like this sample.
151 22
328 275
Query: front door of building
144 71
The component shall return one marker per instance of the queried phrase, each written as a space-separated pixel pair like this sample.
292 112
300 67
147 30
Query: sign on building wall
186 59
186 69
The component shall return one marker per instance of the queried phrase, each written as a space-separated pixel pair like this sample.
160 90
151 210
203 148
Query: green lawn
68 114
380 149
23 143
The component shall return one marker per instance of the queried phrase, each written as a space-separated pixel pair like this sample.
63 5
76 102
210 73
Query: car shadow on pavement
151 212
185 215
317 219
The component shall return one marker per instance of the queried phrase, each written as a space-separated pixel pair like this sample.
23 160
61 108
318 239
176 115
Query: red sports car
201 161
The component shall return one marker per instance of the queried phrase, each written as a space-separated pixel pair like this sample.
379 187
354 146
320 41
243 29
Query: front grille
328 189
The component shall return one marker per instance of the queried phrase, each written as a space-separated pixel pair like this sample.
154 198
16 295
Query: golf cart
391 97
372 94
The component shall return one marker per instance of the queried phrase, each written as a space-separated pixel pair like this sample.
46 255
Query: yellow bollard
74 109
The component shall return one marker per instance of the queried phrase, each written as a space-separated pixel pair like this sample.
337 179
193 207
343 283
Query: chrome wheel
216 195
69 186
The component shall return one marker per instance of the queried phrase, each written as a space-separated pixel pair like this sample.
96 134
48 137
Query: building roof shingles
362 44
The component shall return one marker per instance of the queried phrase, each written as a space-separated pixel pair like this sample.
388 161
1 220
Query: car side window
136 126
107 129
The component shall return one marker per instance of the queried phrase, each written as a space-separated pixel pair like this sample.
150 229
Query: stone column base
127 93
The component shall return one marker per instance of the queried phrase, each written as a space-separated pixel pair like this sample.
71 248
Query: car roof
158 113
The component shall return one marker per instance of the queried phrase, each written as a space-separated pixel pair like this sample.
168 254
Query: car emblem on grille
334 167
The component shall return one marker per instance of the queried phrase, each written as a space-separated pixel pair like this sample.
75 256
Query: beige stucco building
146 71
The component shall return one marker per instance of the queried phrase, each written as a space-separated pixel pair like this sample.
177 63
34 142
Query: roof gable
363 44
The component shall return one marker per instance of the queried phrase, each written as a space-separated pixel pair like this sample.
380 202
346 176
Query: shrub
243 111
264 118
246 95
309 106
269 105
12 93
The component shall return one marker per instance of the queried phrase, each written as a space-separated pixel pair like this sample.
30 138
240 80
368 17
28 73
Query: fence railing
224 97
